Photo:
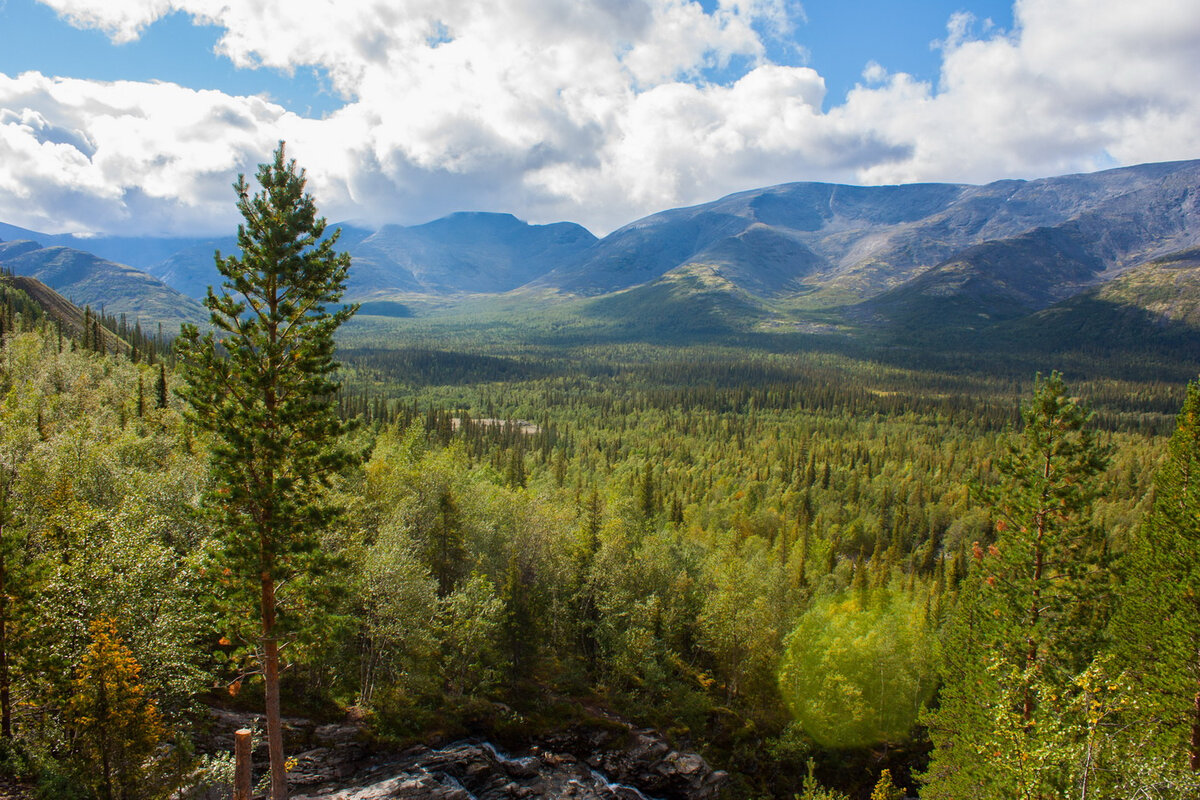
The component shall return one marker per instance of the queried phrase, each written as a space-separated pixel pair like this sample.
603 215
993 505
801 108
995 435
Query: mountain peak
901 257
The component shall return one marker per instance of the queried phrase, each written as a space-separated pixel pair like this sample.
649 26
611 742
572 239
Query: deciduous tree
118 726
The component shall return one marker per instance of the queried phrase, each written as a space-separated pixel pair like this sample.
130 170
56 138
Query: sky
135 116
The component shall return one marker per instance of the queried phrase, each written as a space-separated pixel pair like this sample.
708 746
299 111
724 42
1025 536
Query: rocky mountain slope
70 317
884 260
88 280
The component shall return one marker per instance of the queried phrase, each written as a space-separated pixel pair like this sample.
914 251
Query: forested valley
833 573
813 570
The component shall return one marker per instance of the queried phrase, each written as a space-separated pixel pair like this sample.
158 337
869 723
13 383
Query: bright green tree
741 618
263 385
854 676
469 622
398 611
1029 619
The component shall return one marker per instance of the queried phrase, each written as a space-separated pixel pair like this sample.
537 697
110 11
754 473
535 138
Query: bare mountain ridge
865 240
947 256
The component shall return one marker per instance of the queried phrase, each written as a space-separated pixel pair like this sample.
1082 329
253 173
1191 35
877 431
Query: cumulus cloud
1076 86
593 111
83 155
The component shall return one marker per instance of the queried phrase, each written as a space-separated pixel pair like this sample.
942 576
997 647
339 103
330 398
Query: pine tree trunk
271 677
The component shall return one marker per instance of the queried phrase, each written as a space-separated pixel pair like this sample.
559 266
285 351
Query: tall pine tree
263 385
1028 620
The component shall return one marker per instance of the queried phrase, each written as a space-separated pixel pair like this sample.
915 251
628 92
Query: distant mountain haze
464 252
86 279
918 257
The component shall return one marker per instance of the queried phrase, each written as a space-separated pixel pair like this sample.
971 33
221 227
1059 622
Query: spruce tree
1029 618
1156 630
160 387
263 384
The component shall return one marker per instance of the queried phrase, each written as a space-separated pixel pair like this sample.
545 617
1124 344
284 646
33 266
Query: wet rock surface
616 762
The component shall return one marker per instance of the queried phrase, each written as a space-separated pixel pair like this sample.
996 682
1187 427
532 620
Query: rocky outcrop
641 758
476 771
608 762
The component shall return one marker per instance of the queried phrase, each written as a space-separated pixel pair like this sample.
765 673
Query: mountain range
922 261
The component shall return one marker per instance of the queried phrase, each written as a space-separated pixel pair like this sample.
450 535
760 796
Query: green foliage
95 525
398 615
1156 632
95 506
744 610
1029 620
856 676
426 498
682 511
469 627
211 774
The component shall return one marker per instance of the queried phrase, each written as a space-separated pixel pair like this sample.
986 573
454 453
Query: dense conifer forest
834 575
774 559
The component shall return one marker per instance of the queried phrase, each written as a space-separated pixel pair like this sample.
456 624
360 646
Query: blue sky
134 115
842 36
34 37
838 38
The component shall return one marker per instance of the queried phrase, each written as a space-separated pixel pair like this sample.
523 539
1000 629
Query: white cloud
592 111
82 155
122 20
1076 86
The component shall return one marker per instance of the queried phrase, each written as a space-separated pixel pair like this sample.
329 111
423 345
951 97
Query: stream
475 770
614 761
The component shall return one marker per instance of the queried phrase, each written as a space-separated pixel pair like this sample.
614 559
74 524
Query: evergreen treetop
262 384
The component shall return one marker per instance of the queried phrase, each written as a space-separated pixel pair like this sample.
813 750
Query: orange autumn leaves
115 724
